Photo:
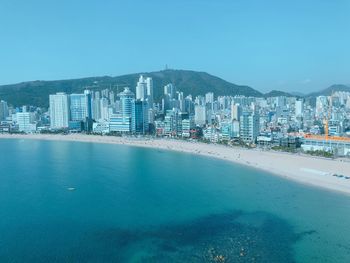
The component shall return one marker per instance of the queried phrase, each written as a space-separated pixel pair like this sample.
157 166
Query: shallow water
142 205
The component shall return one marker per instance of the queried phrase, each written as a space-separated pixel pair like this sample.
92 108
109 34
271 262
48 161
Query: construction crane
327 117
326 135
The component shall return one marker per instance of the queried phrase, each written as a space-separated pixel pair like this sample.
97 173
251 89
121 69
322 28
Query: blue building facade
139 117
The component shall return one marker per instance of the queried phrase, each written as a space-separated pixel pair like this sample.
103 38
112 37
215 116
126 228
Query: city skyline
297 46
319 124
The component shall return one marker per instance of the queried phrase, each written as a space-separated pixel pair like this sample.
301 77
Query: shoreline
304 169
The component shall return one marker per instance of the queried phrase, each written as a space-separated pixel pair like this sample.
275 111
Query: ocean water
143 205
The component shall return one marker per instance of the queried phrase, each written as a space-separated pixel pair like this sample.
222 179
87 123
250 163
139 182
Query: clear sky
299 45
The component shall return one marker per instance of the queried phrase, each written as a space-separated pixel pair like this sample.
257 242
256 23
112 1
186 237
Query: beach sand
315 171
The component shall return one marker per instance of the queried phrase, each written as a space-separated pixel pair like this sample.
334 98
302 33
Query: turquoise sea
143 205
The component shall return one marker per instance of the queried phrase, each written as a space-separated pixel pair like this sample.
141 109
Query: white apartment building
59 111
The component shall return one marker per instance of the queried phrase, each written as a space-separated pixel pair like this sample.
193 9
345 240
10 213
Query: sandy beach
304 169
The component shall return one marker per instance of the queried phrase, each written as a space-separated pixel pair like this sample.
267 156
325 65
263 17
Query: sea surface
85 202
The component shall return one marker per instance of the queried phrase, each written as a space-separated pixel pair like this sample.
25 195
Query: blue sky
286 45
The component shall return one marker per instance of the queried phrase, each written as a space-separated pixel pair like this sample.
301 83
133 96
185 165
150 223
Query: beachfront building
25 122
249 126
159 128
100 127
121 122
211 134
290 142
340 147
139 119
59 111
226 130
80 106
187 126
4 110
264 140
235 129
170 121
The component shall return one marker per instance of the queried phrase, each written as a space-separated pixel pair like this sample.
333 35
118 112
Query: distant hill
190 82
297 94
328 91
277 93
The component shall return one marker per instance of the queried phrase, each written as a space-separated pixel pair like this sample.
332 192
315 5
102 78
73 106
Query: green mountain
190 82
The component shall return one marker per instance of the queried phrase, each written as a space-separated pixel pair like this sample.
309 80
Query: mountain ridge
192 82
188 81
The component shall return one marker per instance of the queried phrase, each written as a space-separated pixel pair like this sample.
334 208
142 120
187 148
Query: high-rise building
200 116
104 109
149 83
111 97
105 93
96 109
141 88
121 122
224 102
59 111
189 105
169 90
235 111
200 100
80 106
249 126
321 106
235 129
151 115
139 119
96 106
126 99
281 101
209 97
4 111
299 108
170 122
209 101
